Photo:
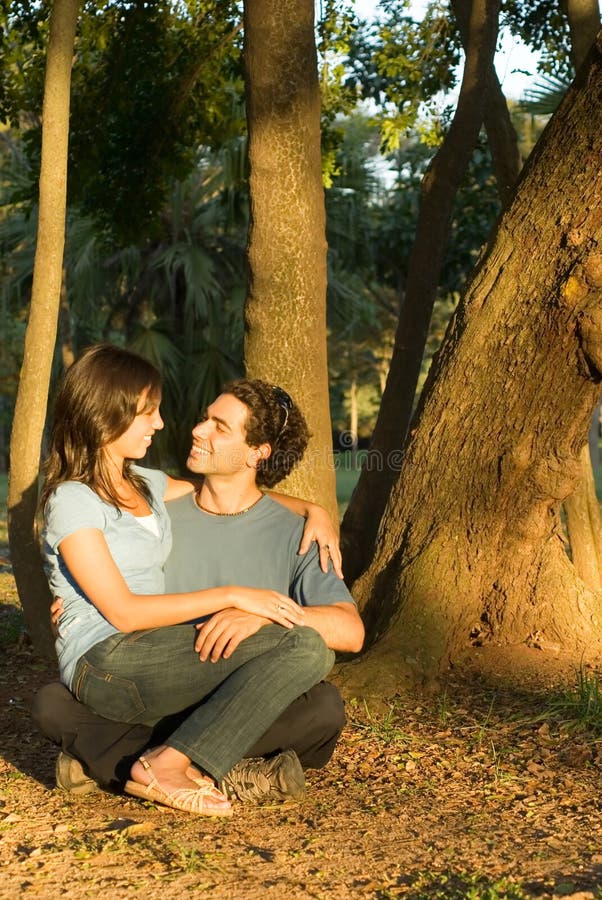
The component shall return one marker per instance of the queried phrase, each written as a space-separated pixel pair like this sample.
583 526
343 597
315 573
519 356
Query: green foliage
403 65
158 205
361 327
544 97
335 30
23 36
150 84
543 27
177 299
476 207
371 214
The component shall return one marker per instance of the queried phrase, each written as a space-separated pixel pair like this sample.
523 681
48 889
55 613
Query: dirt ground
487 789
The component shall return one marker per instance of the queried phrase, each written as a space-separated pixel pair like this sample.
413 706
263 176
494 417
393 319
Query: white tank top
149 522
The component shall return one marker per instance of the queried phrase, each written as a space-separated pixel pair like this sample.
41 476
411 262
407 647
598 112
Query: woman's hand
56 611
319 528
268 604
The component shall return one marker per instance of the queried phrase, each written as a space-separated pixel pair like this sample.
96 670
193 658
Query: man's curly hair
275 420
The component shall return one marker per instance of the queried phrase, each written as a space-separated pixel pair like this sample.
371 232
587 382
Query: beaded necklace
240 512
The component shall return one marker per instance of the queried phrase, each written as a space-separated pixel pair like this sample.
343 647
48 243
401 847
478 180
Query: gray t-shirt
138 553
258 548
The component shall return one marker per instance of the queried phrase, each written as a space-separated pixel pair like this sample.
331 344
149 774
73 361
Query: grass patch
12 624
460 886
580 707
385 728
347 471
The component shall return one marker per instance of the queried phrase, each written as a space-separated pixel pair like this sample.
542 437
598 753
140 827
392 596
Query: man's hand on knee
220 635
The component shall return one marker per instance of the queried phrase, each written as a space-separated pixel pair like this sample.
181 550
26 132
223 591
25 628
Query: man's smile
197 450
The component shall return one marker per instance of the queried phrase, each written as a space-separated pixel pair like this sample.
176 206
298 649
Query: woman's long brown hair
95 404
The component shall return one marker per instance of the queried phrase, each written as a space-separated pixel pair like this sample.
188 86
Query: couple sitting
233 705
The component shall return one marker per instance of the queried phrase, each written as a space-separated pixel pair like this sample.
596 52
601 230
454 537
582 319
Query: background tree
160 269
286 303
177 298
30 407
439 188
470 547
582 509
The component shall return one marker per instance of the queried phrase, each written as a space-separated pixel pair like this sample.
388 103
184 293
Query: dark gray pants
311 726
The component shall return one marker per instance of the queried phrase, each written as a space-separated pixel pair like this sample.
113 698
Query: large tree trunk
286 304
30 407
439 189
583 520
470 546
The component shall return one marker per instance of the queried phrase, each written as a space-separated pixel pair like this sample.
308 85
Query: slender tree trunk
470 547
286 304
584 21
501 134
30 407
439 188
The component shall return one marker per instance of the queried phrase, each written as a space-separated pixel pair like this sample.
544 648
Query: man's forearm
339 624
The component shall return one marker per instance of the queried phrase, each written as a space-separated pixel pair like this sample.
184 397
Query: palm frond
544 97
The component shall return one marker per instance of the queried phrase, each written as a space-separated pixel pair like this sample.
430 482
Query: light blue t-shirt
138 553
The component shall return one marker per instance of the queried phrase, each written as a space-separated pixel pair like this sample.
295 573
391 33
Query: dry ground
488 789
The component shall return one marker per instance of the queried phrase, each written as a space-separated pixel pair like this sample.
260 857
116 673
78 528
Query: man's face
219 441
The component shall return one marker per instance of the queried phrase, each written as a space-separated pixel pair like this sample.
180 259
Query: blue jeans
146 675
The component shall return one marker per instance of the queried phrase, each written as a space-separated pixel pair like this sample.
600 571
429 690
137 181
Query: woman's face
137 438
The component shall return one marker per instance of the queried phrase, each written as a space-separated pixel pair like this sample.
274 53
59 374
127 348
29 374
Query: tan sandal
205 782
194 800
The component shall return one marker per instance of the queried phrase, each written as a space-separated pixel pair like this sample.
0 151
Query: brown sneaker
278 778
70 776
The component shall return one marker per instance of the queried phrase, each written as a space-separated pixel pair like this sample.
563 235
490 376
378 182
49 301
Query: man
229 532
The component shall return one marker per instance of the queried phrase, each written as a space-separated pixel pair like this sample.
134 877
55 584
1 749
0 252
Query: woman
106 538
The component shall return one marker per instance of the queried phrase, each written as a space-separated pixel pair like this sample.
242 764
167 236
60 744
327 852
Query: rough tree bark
439 188
584 525
582 510
583 518
286 304
32 395
470 546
